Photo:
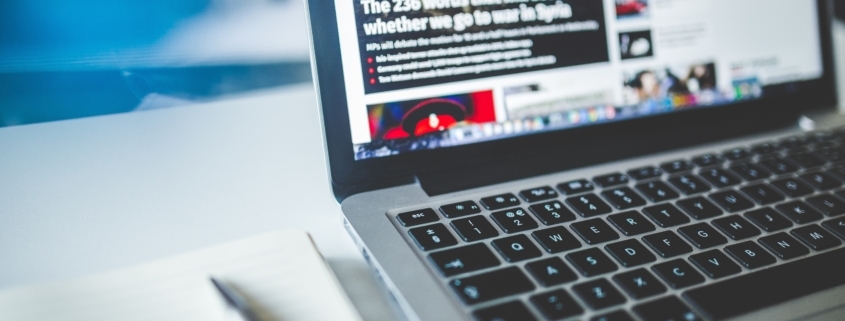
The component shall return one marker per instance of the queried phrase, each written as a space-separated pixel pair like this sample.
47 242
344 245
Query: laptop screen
428 74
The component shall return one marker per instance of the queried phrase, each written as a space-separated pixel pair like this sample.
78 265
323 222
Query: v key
715 264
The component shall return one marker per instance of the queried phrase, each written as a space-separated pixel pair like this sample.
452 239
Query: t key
666 215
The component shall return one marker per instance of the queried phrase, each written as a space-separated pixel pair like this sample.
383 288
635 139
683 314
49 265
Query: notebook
281 273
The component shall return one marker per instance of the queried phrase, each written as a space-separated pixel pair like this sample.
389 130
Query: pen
236 300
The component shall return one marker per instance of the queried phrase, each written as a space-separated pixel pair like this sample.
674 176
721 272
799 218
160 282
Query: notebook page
281 273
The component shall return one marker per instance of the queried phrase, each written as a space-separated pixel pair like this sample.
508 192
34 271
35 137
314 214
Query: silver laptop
588 159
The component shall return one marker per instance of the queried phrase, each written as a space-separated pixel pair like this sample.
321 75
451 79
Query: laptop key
702 235
666 309
556 305
556 239
689 184
750 255
464 259
538 194
816 237
720 178
678 274
623 198
645 173
613 316
708 160
822 181
677 166
474 228
666 215
807 160
828 205
799 212
792 187
415 218
639 284
611 180
460 209
589 205
762 194
765 148
778 166
631 223
736 227
576 187
491 285
630 253
778 284
500 201
516 248
591 262
736 154
551 213
551 272
768 219
594 231
784 246
715 264
837 226
599 294
750 172
657 191
432 237
731 201
511 311
514 220
699 208
667 244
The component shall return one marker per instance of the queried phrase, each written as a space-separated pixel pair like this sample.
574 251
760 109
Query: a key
799 212
551 213
736 154
474 228
699 208
666 215
807 160
720 178
639 284
762 194
591 262
667 244
556 305
576 187
750 172
432 237
588 205
630 253
460 209
715 264
599 294
623 198
514 220
708 160
736 227
613 316
657 191
677 166
784 246
822 181
551 272
415 218
516 248
689 184
837 226
827 204
792 187
556 239
792 280
816 237
500 201
611 180
594 231
464 259
645 173
702 235
538 194
631 223
666 309
678 274
731 201
511 311
750 255
491 285
778 166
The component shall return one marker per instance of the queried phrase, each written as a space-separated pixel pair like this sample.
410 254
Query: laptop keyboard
644 243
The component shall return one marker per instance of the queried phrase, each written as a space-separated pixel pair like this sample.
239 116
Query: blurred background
62 59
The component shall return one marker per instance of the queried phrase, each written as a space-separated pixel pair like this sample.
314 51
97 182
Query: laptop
588 159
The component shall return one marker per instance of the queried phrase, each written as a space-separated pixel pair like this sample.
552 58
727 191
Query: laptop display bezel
362 175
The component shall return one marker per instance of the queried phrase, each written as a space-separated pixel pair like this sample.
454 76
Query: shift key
492 285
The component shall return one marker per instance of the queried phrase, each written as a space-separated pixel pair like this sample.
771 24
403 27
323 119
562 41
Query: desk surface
90 195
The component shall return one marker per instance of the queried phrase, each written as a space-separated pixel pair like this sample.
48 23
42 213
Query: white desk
89 195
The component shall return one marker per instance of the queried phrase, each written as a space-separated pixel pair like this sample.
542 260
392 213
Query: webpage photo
427 74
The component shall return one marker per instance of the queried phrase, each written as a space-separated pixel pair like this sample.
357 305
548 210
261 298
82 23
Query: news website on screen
426 74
